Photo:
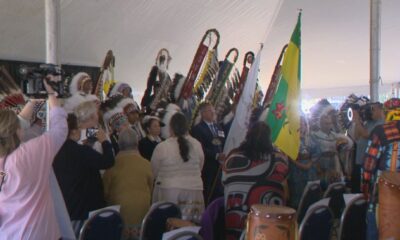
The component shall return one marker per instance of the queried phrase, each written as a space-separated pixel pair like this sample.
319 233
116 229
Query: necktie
212 127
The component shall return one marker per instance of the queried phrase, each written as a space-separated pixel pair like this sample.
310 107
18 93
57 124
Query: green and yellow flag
284 112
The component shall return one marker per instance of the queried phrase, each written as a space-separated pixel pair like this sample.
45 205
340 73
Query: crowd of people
111 153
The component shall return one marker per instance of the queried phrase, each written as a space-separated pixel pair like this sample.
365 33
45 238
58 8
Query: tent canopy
335 35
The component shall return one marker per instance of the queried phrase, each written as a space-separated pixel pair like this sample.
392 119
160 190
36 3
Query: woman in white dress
176 165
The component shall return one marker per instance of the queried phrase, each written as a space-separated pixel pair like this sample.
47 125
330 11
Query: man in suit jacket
212 139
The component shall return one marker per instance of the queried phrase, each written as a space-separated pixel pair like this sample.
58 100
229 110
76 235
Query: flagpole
375 48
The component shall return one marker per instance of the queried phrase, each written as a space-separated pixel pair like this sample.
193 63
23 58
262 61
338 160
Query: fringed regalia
205 62
218 94
158 83
11 96
235 89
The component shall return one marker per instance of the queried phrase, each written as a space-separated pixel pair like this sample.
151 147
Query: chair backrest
337 204
243 235
154 222
337 187
105 224
186 235
312 193
317 224
352 223
213 220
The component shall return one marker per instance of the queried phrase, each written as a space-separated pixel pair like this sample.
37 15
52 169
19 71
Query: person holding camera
26 205
365 120
77 168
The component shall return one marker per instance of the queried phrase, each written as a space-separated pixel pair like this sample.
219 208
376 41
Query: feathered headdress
351 101
320 109
115 118
392 109
118 88
166 116
10 94
128 105
77 82
72 102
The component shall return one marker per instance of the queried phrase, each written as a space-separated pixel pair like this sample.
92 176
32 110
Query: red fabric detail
194 71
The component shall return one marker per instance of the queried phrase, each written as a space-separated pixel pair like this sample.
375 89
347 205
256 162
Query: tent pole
52 11
375 48
52 19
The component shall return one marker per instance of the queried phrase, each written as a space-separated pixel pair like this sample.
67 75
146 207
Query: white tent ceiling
335 35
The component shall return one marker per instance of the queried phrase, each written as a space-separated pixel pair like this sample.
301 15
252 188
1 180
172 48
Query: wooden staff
276 76
247 62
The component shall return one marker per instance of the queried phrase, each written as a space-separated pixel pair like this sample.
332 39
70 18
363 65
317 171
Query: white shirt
169 169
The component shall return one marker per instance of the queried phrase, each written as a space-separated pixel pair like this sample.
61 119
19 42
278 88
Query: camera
91 133
365 111
33 77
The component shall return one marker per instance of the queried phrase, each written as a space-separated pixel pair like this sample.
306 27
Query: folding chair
353 221
337 187
312 193
186 235
154 223
317 224
106 224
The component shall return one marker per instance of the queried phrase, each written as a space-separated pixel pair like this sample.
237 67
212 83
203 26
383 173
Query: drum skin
271 222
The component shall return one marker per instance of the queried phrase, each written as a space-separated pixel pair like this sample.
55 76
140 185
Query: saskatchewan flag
284 112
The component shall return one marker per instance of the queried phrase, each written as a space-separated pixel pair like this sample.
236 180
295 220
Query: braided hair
179 126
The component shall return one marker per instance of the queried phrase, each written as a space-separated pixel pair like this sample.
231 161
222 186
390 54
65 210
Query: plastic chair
105 224
317 224
154 222
186 235
312 193
352 223
337 187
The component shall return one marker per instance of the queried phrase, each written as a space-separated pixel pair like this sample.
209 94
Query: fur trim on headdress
115 118
320 109
147 119
72 102
179 86
128 105
170 110
151 81
351 101
176 88
118 88
77 82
